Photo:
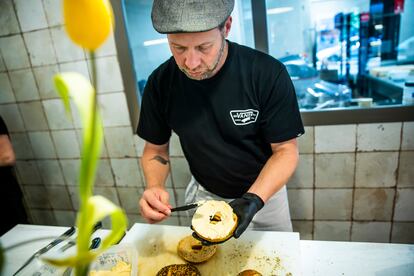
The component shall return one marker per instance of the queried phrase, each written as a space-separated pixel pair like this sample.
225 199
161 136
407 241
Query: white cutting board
270 253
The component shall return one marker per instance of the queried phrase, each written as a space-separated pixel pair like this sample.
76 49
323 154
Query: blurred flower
88 22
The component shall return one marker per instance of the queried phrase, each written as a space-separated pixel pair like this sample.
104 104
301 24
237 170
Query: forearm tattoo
160 159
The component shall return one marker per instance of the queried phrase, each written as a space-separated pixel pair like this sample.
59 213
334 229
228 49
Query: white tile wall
376 169
66 50
373 204
44 79
337 138
407 142
33 116
127 172
303 176
403 232
42 144
371 231
180 172
66 143
36 196
14 52
114 109
108 48
404 205
50 172
53 10
39 45
70 169
175 146
332 230
306 141
65 218
120 142
335 204
104 175
11 116
31 16
8 19
108 66
28 173
301 203
80 67
334 170
129 198
2 65
24 85
6 92
56 114
405 171
21 145
59 197
372 137
305 228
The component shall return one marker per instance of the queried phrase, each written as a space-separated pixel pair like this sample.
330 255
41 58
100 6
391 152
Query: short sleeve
152 125
280 118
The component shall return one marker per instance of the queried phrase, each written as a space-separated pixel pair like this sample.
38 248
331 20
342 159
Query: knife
43 250
188 206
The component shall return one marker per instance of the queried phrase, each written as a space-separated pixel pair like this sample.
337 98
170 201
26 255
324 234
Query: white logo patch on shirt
244 117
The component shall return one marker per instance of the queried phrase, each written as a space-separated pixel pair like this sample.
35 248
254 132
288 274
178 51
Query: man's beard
210 71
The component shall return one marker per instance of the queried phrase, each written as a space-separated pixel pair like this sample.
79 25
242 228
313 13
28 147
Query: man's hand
245 208
154 204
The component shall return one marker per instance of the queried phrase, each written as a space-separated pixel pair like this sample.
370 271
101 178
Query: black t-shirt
225 123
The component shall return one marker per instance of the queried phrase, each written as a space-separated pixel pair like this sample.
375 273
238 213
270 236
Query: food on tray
214 221
120 269
191 250
179 270
249 272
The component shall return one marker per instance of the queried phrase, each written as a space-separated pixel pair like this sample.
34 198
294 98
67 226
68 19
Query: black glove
245 208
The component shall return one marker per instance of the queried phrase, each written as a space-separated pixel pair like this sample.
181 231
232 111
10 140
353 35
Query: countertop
317 257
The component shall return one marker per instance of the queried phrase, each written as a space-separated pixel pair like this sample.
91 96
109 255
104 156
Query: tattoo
160 159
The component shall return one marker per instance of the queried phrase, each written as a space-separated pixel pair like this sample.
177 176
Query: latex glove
245 208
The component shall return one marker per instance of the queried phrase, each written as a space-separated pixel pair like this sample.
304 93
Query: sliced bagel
179 270
214 221
191 250
249 272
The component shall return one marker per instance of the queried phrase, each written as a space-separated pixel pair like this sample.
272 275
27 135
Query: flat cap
188 16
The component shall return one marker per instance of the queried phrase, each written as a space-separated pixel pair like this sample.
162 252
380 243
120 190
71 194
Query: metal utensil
94 244
188 206
46 248
71 243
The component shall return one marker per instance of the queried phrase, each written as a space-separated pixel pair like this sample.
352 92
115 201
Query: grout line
353 184
394 202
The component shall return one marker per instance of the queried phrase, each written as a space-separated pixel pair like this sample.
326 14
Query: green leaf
99 208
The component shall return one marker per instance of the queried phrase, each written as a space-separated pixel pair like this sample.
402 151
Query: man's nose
192 60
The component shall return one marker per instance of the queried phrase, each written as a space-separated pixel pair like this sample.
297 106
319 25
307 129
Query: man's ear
227 26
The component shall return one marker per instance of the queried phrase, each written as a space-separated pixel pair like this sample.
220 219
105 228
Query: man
234 110
11 193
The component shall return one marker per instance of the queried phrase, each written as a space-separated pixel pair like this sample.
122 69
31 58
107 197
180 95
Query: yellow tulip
88 22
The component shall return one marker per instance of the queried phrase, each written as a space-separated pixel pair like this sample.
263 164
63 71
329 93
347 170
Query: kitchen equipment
46 248
271 253
188 206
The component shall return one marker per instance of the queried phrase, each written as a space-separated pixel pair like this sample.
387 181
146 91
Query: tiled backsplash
354 182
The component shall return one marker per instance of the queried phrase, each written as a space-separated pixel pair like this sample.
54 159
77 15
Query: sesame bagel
214 221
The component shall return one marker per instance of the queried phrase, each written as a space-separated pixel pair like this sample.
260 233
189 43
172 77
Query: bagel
214 221
249 272
191 250
179 270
